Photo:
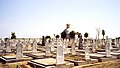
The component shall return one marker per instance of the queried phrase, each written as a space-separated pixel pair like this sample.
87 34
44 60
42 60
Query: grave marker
48 49
87 57
72 46
8 46
108 51
60 55
19 51
34 46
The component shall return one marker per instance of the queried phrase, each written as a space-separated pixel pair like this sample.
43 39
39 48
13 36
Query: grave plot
38 55
77 60
9 59
81 59
66 52
113 54
15 57
34 53
50 63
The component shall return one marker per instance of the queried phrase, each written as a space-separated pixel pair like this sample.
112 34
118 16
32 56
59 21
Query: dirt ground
108 64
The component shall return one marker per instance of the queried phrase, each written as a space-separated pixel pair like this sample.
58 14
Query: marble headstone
52 45
60 55
87 57
108 51
34 46
19 51
8 46
2 44
28 45
110 42
94 46
48 48
64 44
72 46
119 44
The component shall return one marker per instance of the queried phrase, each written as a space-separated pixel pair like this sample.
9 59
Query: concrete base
10 59
49 63
105 59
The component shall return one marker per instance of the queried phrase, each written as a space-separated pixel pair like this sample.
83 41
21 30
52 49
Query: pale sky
34 18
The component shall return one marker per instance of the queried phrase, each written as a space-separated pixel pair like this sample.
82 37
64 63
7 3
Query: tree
72 34
103 33
63 35
86 35
47 37
57 36
13 35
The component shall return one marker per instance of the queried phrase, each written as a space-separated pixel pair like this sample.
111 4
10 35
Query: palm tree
103 33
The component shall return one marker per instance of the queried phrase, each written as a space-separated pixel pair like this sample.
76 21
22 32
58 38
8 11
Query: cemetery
70 50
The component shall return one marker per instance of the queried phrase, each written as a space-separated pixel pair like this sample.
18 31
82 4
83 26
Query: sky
35 18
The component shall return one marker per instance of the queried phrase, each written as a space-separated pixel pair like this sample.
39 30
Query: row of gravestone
72 43
19 50
9 44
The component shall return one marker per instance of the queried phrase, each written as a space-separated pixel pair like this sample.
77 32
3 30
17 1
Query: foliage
72 34
13 36
103 32
57 36
86 35
63 35
47 37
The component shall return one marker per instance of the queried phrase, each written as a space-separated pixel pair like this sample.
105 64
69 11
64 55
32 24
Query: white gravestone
103 42
72 43
19 51
34 46
119 44
48 49
60 55
8 46
67 42
52 45
2 44
28 45
108 51
87 57
64 44
110 42
76 40
94 46
24 45
14 42
96 42
117 40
